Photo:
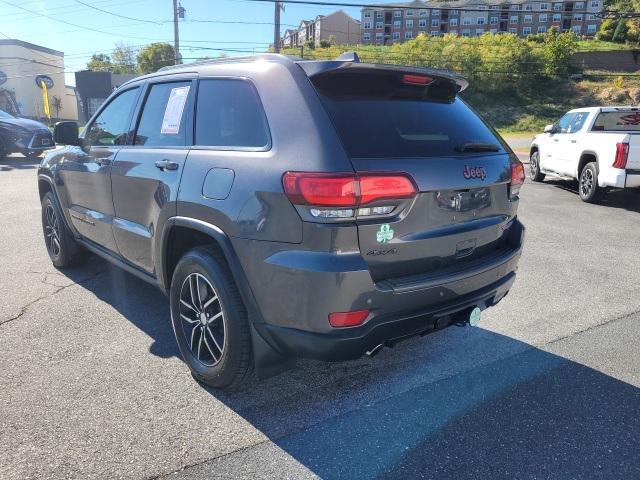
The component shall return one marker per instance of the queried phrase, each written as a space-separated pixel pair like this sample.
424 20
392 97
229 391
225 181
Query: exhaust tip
374 351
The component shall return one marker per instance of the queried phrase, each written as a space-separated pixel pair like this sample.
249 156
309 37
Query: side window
229 114
112 125
163 120
578 122
565 122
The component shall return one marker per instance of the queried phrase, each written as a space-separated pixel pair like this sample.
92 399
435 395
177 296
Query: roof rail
349 57
219 60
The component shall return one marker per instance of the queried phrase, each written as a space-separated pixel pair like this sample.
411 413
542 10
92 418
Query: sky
79 30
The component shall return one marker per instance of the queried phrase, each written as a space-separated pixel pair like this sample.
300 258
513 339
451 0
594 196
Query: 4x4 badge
384 234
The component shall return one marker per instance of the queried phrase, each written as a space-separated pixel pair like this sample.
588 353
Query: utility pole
276 27
176 34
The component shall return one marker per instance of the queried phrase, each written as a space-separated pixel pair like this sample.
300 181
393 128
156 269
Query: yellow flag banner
45 99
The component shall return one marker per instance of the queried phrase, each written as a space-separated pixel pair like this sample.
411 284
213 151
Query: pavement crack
58 288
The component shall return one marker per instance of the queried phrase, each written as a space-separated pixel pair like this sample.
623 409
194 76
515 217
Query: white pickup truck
598 146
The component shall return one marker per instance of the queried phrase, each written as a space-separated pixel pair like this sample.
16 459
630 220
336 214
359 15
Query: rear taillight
346 195
348 319
416 79
622 155
517 178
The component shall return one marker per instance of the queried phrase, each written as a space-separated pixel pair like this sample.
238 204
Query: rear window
626 121
406 128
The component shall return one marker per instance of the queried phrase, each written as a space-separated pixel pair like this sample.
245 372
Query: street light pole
276 27
176 34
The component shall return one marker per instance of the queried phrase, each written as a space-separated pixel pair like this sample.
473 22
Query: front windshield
5 115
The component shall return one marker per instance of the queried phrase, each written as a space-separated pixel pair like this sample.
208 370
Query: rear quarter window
229 114
626 121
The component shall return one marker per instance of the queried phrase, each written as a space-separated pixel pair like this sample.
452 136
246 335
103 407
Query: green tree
100 62
155 56
123 59
558 48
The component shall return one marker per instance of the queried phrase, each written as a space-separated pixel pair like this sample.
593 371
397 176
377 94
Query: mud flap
267 361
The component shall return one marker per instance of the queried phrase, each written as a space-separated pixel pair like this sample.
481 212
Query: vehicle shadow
18 163
624 199
461 403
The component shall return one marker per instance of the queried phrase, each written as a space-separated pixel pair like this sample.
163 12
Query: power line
117 14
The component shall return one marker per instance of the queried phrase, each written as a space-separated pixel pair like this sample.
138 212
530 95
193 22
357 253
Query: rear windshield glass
628 121
372 128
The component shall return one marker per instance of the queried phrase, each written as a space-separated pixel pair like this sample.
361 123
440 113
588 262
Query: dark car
289 208
22 135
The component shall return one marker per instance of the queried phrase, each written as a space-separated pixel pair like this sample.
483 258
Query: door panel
86 170
146 176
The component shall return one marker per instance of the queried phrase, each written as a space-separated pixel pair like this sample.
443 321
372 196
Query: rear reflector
517 178
345 190
416 79
622 155
348 319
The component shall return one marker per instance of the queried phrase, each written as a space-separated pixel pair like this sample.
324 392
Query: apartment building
337 28
399 22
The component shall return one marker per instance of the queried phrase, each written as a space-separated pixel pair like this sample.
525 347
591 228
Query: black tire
3 151
31 155
62 248
534 167
588 188
217 348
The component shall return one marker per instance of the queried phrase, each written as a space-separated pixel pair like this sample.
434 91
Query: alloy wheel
52 231
203 320
533 165
586 182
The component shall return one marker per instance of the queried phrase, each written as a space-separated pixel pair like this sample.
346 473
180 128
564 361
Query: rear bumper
618 178
398 309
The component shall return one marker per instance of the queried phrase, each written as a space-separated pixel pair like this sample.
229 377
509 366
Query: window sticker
173 113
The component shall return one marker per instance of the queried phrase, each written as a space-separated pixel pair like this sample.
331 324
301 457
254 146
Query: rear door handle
103 162
166 165
573 141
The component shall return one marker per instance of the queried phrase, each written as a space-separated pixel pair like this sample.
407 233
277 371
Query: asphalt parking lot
92 386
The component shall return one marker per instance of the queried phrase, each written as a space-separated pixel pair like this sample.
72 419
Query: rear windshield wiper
477 147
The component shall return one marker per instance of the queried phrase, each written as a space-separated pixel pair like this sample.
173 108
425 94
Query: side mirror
549 129
66 133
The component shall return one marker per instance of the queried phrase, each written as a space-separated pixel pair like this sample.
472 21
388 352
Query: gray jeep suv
291 208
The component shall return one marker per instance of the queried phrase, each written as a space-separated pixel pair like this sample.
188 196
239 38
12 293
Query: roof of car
311 67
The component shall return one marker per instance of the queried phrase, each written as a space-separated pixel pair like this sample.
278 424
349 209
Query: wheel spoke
188 305
193 334
206 342
213 337
200 342
187 319
209 302
193 298
198 292
214 318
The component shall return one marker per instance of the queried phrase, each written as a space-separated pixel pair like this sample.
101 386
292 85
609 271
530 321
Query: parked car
22 135
599 147
289 208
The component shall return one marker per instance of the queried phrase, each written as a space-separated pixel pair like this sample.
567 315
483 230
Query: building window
542 29
424 12
367 25
408 35
591 29
408 23
528 18
378 37
466 21
396 35
558 6
577 29
526 31
513 19
379 14
409 13
495 7
595 4
397 23
480 21
556 17
435 33
379 25
422 32
453 22
422 22
528 7
397 13
366 36
577 17
544 6
493 30
435 22
513 30
493 20
591 16
435 13
453 12
579 5
479 31
515 7
543 17
466 32
367 14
